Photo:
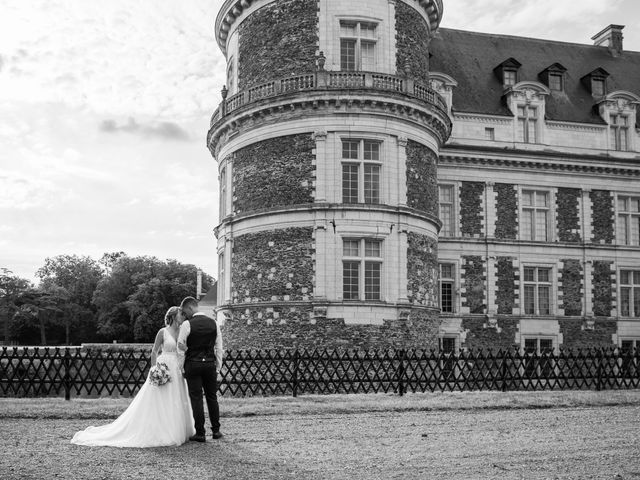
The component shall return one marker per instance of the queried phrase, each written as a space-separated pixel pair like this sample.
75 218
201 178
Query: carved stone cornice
475 117
309 103
577 127
538 165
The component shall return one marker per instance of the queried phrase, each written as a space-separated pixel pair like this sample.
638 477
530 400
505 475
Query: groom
200 344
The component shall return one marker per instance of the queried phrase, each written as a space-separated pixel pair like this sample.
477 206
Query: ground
541 435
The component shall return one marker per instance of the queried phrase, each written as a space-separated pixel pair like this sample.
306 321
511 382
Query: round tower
327 141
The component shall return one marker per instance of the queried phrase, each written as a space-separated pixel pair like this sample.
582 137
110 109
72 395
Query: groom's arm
185 330
218 350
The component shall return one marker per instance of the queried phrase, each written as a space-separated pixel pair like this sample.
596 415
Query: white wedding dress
157 416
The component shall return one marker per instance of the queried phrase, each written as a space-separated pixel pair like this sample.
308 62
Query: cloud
165 130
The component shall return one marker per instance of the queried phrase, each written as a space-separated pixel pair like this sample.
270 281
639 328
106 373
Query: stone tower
327 141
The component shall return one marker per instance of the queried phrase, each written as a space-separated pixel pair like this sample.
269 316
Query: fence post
295 372
67 376
401 373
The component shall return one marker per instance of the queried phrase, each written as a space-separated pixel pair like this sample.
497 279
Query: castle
388 183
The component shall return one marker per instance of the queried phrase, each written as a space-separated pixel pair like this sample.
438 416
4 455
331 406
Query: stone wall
473 281
506 211
422 270
273 265
568 214
480 334
571 286
412 43
422 177
471 202
278 40
602 216
579 334
506 277
295 326
602 288
274 172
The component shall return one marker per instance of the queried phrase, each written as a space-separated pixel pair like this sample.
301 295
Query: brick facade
471 201
412 51
422 178
422 270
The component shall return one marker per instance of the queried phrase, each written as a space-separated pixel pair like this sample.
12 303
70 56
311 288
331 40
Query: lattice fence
50 371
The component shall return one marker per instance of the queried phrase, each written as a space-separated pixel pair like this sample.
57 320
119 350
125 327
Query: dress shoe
198 438
216 435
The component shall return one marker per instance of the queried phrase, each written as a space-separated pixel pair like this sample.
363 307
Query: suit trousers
203 376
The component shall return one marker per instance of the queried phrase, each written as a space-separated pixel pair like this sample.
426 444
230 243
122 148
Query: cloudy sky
104 109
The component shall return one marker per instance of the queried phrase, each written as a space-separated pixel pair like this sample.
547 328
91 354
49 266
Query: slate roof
470 58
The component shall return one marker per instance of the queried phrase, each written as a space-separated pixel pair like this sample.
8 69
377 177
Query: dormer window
596 82
553 77
507 72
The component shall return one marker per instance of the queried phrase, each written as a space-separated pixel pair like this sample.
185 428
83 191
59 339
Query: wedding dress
158 415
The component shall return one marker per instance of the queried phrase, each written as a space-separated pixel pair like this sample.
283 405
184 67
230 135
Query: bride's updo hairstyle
171 315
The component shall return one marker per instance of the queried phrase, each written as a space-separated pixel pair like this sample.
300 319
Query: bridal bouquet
159 374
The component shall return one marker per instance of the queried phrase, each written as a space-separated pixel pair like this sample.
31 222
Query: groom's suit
203 359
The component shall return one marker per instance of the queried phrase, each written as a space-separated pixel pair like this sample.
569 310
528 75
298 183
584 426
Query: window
535 215
628 364
446 197
221 278
489 134
628 227
361 171
223 193
537 290
509 78
537 351
448 359
357 46
629 293
361 269
447 287
619 130
555 81
230 77
597 86
527 124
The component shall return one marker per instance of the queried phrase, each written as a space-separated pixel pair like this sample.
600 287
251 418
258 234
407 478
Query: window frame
634 292
509 77
361 163
626 217
556 81
223 194
523 123
453 281
618 132
549 224
363 261
551 284
358 40
221 279
454 211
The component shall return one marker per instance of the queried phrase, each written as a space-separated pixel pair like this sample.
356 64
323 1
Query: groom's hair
189 302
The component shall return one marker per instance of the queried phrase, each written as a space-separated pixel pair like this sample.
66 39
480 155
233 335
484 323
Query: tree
11 289
78 277
133 298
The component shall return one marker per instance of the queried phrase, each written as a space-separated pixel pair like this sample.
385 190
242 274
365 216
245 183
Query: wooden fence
77 371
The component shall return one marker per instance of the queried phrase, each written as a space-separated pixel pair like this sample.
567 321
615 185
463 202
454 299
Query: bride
158 415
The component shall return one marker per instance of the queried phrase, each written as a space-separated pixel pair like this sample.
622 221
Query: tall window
527 124
535 215
538 362
629 293
221 278
446 198
619 130
537 291
597 87
509 78
357 46
628 226
230 77
361 269
360 171
223 193
447 287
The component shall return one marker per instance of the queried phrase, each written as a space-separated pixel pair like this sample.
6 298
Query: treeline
79 299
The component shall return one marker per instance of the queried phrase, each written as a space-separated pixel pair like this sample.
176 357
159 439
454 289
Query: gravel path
557 443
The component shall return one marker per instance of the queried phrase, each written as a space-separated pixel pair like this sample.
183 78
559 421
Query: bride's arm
157 345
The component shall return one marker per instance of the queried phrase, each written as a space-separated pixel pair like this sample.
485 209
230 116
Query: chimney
610 37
